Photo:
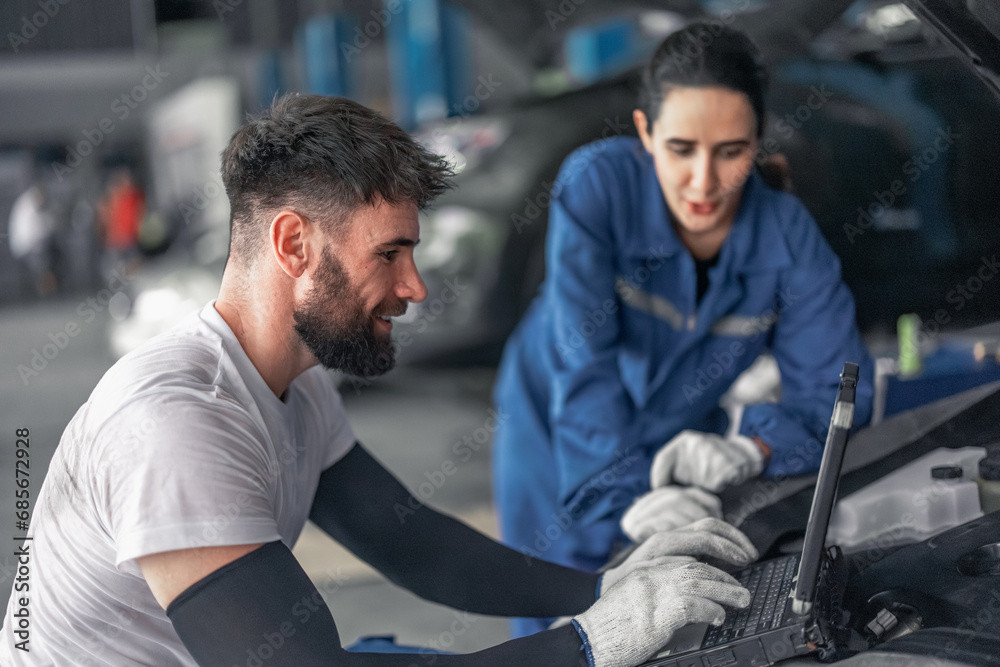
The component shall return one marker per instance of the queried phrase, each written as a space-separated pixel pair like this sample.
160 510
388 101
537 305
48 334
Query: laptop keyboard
770 584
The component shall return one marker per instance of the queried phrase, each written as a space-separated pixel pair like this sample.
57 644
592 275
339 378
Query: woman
671 268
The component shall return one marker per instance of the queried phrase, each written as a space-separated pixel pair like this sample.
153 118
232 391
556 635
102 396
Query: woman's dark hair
702 55
325 157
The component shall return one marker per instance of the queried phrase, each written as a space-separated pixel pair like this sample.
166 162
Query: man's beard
344 340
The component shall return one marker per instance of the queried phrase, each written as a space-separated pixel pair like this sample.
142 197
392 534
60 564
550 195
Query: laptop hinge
827 629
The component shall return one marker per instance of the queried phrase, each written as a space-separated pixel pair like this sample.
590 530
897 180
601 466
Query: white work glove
760 383
674 548
706 460
667 508
639 614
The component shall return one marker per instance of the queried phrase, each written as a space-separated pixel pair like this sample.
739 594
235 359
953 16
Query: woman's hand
707 460
667 508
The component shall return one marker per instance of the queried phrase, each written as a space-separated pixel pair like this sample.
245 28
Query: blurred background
114 223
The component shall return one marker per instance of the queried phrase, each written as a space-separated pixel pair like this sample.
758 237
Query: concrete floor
409 420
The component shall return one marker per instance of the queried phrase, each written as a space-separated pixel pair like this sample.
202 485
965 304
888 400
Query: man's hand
170 573
706 460
640 613
674 548
667 508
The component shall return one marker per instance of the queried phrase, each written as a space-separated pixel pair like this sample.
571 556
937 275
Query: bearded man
163 531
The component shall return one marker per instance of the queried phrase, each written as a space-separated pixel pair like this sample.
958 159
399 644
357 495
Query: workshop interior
883 115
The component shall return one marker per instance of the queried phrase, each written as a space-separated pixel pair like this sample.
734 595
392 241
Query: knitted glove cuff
586 643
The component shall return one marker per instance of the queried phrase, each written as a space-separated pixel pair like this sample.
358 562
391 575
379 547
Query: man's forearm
468 570
436 556
258 599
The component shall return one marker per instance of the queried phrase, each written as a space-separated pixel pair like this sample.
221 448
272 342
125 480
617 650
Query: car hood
975 43
779 27
533 25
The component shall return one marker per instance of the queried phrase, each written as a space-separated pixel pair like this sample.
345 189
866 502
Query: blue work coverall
615 357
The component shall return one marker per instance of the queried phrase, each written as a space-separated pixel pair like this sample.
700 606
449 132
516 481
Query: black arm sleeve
263 609
362 506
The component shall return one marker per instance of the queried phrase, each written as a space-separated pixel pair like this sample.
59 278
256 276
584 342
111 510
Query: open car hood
976 44
779 27
537 26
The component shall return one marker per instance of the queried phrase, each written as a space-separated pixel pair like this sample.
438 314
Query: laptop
794 598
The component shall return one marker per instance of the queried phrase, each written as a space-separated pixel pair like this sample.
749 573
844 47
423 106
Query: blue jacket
614 357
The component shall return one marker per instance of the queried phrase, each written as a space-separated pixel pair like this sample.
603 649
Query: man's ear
639 118
291 235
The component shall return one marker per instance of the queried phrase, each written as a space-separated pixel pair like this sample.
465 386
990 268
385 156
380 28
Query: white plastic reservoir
909 505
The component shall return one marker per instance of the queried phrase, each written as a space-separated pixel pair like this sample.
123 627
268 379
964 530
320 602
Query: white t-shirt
181 445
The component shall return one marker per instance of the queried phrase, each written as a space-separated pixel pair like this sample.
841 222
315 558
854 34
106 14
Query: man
162 532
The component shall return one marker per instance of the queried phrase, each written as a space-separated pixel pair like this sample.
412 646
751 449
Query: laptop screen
826 491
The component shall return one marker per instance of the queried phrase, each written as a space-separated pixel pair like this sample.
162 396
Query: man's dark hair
323 157
702 55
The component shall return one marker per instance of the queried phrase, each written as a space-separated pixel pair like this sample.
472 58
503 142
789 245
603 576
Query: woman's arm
590 411
815 334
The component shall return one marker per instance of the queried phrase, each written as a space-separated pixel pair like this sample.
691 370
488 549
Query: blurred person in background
671 268
31 229
121 212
